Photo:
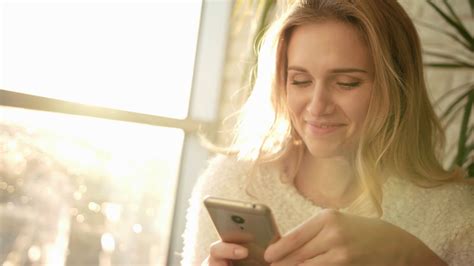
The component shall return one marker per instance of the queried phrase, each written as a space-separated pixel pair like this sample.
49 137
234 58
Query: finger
227 251
298 236
320 260
330 258
317 246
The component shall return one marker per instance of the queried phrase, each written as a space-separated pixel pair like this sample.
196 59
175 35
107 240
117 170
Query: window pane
100 191
115 53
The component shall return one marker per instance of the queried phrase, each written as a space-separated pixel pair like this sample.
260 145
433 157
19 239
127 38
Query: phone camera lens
238 219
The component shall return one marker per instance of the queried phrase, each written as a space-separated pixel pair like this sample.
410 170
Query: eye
348 85
300 82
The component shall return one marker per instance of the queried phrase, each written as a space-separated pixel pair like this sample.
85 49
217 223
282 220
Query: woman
340 140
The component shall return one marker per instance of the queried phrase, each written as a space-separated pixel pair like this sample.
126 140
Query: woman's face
329 83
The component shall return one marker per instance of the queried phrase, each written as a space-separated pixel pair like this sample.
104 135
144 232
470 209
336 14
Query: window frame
204 106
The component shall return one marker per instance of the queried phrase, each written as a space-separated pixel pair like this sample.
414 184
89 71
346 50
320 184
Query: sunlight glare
120 57
34 253
108 242
112 211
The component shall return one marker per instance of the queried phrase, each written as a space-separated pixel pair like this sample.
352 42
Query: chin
324 152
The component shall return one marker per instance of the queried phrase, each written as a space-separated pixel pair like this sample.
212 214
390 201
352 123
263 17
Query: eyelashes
296 82
342 85
349 85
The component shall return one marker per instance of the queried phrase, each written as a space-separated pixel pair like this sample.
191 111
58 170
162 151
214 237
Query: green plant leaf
449 118
458 100
470 170
447 65
447 33
469 132
446 94
469 148
457 25
463 137
471 3
454 59
442 55
451 11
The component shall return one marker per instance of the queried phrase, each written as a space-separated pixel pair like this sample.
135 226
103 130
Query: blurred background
102 103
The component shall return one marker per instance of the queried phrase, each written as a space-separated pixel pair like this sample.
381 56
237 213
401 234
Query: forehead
328 43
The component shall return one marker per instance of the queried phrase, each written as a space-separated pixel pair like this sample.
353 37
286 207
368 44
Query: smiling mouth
324 125
319 129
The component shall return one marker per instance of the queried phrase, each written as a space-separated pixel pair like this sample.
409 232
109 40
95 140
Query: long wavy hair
401 135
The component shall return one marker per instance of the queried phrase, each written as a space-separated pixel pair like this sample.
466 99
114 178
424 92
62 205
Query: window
100 103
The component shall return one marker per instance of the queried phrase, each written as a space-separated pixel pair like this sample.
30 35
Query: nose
321 101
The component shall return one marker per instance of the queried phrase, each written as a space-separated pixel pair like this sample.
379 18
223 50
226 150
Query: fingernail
240 252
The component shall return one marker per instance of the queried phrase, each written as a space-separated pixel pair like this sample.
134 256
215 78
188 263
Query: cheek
292 106
358 108
294 102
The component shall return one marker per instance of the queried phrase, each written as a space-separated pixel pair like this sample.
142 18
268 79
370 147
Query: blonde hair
401 134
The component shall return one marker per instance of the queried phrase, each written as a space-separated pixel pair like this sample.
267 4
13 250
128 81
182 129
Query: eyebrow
335 70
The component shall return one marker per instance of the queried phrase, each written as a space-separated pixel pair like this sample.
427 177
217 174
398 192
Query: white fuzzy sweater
442 217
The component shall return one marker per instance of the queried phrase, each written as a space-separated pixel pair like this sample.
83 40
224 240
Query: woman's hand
334 238
222 253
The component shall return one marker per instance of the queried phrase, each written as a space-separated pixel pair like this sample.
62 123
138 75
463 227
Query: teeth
316 124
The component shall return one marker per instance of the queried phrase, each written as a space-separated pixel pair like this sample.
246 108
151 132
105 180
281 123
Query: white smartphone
249 224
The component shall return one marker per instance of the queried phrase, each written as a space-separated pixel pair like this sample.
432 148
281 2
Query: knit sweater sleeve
441 217
221 178
460 250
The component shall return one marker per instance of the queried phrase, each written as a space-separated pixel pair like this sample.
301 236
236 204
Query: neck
328 182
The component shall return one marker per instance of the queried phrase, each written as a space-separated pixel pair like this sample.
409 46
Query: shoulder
442 217
449 201
224 176
450 197
225 167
